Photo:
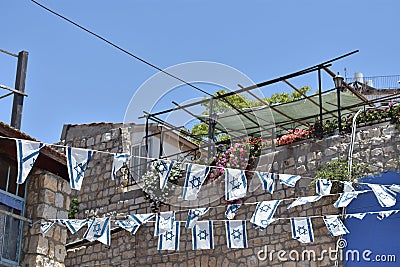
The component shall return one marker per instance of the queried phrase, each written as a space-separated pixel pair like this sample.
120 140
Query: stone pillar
48 197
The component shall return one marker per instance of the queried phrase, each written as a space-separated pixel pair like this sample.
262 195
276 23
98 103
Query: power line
119 48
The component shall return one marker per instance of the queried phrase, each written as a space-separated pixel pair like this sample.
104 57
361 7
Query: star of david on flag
195 176
359 216
77 162
45 227
385 196
118 161
235 184
99 229
203 235
304 200
335 226
73 225
194 215
231 210
345 199
164 222
236 234
134 221
268 181
163 168
289 179
27 153
323 187
302 229
169 240
264 212
384 214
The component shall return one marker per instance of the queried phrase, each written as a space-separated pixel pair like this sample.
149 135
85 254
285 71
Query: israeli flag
359 216
348 187
384 214
231 210
169 240
335 226
302 230
195 176
235 184
73 225
118 161
133 222
45 227
289 179
395 188
385 197
236 234
304 200
193 216
99 229
77 162
163 168
323 187
268 181
203 235
264 212
164 222
27 153
345 199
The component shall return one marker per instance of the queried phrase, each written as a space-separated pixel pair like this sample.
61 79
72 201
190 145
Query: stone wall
377 145
47 198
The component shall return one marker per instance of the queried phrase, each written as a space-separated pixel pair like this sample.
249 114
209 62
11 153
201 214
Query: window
139 162
12 199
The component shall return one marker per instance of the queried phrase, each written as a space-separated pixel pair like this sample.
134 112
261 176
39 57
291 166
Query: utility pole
20 79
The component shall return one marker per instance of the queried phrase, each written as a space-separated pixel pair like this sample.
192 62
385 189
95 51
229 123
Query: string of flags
235 180
168 230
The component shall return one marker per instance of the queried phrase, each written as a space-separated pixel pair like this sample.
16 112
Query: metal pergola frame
255 120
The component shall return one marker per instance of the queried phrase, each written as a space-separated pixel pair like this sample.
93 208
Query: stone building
377 145
45 194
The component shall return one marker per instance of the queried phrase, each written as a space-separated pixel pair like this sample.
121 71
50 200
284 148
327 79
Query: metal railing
377 82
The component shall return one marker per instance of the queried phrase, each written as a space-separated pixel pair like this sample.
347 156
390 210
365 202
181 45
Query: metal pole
211 131
320 101
338 111
18 101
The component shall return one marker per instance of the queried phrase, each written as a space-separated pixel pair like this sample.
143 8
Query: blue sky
75 78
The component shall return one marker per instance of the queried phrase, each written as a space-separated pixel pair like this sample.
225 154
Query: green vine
73 208
338 170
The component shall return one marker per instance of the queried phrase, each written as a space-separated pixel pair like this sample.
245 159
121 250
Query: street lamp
338 80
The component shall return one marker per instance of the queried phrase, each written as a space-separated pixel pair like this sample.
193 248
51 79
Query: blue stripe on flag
244 234
187 181
20 161
310 231
194 237
228 233
210 227
71 170
177 229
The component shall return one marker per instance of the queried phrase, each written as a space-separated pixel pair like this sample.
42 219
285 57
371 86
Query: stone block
48 181
59 200
106 137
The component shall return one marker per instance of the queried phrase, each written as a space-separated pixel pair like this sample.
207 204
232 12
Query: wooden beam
360 96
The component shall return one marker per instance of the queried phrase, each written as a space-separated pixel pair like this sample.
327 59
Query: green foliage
338 170
240 101
287 97
151 186
73 208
